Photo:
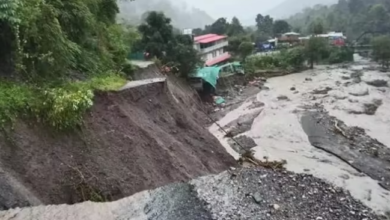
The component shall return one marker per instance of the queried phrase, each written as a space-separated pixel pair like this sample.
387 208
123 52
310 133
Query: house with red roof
212 48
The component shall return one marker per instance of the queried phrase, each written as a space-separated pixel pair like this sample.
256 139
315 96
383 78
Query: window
214 54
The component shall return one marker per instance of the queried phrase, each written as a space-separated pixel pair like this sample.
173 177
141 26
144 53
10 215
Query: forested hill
291 7
352 17
181 14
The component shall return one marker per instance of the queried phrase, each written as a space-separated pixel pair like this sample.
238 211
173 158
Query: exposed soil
133 140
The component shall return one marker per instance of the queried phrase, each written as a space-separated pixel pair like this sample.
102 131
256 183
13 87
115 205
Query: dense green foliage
292 59
46 45
381 50
245 49
54 38
175 51
353 17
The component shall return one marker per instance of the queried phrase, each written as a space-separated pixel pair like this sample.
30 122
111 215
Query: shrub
340 55
61 107
286 59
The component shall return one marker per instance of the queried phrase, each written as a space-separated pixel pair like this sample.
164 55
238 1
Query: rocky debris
345 77
292 88
323 91
378 83
243 193
242 124
283 97
350 144
308 79
255 104
242 144
258 193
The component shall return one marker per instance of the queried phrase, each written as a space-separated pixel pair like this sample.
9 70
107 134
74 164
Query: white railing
214 47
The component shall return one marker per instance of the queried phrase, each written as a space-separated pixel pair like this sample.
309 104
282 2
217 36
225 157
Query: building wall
213 54
211 50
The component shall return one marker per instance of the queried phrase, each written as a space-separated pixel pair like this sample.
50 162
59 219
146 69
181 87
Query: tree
317 27
220 26
157 34
381 50
264 24
245 49
280 27
378 19
183 56
314 49
235 28
197 31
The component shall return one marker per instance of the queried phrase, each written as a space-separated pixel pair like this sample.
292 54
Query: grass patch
62 106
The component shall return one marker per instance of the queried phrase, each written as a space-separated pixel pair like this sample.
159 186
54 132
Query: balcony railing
214 47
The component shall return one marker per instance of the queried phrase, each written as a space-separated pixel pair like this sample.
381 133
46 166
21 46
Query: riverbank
352 94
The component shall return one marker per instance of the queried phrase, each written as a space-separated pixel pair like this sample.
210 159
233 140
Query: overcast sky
246 10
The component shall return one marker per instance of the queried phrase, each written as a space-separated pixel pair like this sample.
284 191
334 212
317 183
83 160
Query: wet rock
257 198
360 92
283 97
322 91
370 108
264 88
242 144
345 176
241 125
255 104
378 83
357 74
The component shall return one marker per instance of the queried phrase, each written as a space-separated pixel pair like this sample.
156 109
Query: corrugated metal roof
201 37
208 38
219 59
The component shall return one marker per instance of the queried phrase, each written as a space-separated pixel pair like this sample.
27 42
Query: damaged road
245 194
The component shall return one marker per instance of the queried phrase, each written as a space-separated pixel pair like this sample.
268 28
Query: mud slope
133 140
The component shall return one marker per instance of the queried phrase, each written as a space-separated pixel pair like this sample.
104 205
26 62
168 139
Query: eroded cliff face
133 140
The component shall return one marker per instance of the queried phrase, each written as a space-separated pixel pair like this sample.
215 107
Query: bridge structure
361 48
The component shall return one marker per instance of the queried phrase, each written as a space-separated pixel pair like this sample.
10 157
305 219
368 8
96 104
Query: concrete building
212 47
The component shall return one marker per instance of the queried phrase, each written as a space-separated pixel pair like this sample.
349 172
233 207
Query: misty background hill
291 7
182 15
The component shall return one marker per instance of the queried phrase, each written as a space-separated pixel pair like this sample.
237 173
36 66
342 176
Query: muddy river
353 100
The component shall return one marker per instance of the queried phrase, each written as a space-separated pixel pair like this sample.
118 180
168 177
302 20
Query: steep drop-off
136 139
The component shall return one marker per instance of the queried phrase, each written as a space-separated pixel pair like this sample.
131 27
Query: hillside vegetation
290 7
352 17
56 53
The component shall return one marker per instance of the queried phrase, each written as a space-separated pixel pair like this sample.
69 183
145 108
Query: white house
212 48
